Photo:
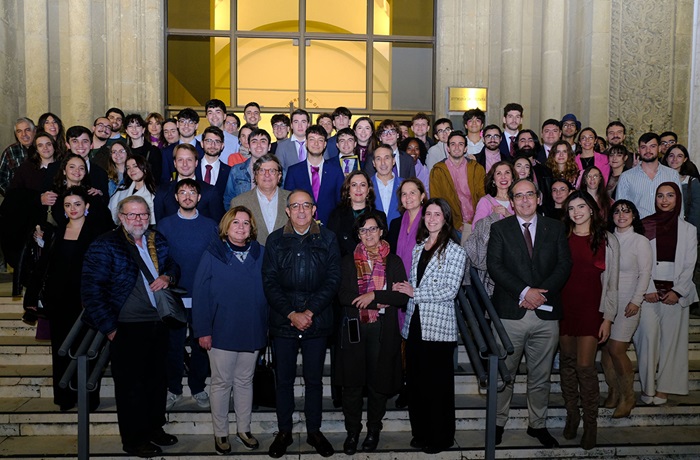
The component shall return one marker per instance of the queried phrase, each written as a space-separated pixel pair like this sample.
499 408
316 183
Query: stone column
76 81
552 70
36 50
694 99
511 58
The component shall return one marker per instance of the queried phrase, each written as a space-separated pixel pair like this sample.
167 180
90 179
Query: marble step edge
333 422
469 444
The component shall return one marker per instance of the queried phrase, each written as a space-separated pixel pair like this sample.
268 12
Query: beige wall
600 59
79 57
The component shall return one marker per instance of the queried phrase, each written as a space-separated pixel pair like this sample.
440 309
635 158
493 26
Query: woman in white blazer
430 328
138 181
661 339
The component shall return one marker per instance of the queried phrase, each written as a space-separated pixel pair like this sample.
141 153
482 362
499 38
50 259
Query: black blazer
512 269
222 178
97 177
503 147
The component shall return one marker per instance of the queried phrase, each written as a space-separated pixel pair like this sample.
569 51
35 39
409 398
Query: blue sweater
187 240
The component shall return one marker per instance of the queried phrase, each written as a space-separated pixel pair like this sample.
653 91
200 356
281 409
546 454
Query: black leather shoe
161 438
499 434
543 437
320 443
350 444
143 450
279 446
371 441
432 450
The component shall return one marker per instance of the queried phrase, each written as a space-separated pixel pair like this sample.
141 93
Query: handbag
169 303
264 389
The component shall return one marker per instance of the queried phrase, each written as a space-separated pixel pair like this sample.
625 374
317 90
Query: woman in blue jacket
232 328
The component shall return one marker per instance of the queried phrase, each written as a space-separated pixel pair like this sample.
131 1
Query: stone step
34 381
622 443
34 417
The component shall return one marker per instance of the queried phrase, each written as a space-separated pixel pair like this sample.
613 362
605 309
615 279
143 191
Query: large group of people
355 236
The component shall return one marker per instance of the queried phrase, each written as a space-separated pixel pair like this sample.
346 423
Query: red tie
512 146
207 175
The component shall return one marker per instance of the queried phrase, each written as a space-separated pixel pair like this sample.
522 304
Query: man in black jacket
301 276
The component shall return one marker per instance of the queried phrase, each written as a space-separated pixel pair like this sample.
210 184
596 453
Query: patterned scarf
371 276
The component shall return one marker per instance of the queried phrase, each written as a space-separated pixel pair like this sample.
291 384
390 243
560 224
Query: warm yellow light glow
463 99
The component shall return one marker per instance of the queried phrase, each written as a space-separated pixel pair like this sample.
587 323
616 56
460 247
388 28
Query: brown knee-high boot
627 398
590 399
613 385
569 390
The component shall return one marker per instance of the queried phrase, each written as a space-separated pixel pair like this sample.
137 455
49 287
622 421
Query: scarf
663 226
371 276
150 241
407 240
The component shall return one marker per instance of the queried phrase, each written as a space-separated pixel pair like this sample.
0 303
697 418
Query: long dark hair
60 183
34 157
490 184
598 233
637 224
60 137
345 200
602 195
143 165
446 233
688 168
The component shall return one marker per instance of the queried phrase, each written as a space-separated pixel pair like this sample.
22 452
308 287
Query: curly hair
571 171
637 225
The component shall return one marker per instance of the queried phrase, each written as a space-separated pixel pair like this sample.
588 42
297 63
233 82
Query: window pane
199 14
403 76
336 17
404 17
267 72
205 74
268 15
346 84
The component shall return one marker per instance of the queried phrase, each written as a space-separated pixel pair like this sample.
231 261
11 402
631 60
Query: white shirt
143 252
215 167
268 208
474 148
385 192
533 230
297 143
397 159
320 172
231 145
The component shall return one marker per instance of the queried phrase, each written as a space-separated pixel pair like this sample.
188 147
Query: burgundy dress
581 294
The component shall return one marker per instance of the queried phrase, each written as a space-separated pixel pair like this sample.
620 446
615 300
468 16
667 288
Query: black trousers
139 352
431 388
352 396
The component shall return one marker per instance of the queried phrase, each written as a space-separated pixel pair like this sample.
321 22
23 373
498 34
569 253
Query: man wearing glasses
301 276
120 303
212 169
388 133
241 179
211 204
491 153
438 152
529 261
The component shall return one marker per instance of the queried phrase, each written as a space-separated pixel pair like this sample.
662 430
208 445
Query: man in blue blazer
529 261
323 179
385 182
388 133
211 205
211 166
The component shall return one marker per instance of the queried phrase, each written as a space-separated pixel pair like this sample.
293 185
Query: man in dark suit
529 261
211 205
211 169
512 118
323 179
388 133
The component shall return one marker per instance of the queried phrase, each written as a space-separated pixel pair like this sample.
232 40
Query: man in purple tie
323 179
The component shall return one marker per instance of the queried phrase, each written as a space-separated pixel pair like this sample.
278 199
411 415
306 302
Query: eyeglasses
231 123
119 152
587 138
279 125
186 122
667 143
492 136
187 192
370 230
103 126
213 141
388 132
306 206
569 124
522 196
135 215
270 171
444 131
594 176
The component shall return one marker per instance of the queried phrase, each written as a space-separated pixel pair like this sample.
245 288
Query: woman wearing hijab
661 339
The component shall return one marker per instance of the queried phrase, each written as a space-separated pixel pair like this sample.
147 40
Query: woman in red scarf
369 348
661 339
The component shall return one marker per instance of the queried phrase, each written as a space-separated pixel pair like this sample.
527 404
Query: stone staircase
32 427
